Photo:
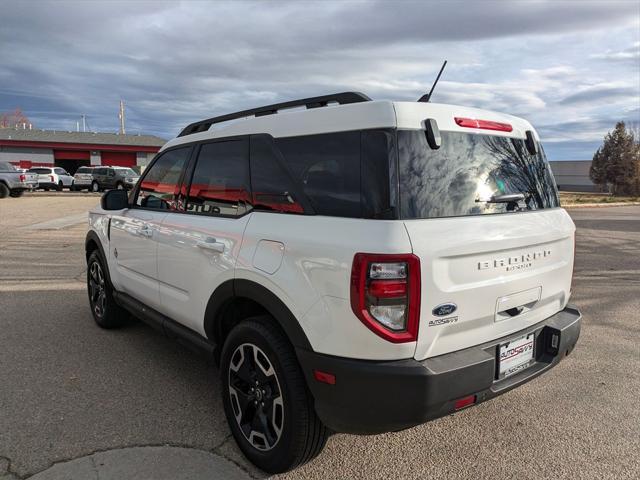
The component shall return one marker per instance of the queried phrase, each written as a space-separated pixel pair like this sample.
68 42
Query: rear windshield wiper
506 198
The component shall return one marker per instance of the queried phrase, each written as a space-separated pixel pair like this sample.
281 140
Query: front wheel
16 193
266 401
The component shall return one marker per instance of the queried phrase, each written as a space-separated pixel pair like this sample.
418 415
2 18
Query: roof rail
312 102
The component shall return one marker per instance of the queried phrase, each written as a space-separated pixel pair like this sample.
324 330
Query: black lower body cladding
371 397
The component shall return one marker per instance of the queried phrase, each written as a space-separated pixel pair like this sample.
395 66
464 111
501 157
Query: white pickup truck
13 182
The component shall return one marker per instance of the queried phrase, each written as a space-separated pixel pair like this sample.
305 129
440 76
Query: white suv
356 266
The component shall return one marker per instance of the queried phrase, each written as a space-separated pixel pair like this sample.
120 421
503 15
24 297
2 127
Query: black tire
279 400
46 189
4 190
60 186
95 187
73 188
16 193
106 312
119 186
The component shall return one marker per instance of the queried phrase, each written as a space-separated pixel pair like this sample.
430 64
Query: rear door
490 266
135 232
199 245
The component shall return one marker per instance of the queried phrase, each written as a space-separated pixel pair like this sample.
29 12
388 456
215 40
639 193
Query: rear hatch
83 177
492 264
44 175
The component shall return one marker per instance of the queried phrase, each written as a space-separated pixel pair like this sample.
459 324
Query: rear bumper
381 396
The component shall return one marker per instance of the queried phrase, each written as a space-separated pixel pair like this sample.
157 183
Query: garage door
118 159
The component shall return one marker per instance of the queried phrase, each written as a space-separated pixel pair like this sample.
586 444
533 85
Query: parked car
53 178
83 179
360 268
120 178
14 182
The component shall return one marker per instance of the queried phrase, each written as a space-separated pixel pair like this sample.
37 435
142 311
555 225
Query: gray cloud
175 62
597 94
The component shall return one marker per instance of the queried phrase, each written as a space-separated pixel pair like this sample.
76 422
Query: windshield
126 172
7 167
471 174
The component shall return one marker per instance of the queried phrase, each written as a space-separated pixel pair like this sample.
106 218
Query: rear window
84 170
468 173
40 170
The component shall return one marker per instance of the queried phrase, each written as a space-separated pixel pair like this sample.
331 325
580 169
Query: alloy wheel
97 290
256 396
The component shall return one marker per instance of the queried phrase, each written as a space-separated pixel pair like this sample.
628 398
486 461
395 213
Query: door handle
211 244
145 231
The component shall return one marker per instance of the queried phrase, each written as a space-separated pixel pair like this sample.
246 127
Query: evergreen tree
617 162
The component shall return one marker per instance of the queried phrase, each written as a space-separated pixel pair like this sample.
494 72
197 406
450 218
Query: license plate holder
516 355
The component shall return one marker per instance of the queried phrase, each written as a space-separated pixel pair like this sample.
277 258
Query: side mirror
115 200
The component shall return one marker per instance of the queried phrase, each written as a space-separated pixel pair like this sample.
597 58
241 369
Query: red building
70 150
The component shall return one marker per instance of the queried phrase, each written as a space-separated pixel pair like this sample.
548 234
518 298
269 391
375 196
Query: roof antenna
427 96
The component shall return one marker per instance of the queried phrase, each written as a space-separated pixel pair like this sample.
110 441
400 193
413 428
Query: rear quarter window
327 167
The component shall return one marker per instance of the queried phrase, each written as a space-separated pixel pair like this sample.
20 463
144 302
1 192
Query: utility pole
121 117
84 123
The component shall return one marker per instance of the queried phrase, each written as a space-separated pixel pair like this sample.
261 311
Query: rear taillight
23 178
483 124
385 294
52 179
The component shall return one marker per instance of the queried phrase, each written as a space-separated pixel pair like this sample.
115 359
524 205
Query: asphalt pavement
80 402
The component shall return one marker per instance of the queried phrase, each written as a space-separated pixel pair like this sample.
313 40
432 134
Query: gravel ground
70 389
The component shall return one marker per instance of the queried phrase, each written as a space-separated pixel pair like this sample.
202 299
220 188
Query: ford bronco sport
354 266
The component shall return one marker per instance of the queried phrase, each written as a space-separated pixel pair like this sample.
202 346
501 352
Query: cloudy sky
571 67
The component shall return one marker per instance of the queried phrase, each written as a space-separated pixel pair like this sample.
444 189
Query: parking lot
69 389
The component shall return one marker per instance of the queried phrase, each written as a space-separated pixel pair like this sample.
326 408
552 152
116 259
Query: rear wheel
120 186
106 312
266 401
60 186
4 190
95 187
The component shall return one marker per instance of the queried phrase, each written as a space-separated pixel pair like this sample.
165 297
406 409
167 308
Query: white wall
35 155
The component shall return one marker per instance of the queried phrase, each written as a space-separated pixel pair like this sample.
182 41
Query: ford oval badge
444 309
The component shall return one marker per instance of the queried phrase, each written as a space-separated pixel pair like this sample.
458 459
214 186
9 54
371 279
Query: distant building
30 148
573 175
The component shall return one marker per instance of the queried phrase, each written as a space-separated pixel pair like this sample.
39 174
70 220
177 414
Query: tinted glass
220 183
99 171
378 172
160 183
272 187
7 167
466 172
327 167
126 172
84 170
59 171
40 171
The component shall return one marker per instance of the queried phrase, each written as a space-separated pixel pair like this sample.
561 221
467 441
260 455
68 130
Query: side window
328 168
271 185
220 183
111 172
59 171
160 183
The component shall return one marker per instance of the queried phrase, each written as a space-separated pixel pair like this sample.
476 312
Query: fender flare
93 237
240 288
